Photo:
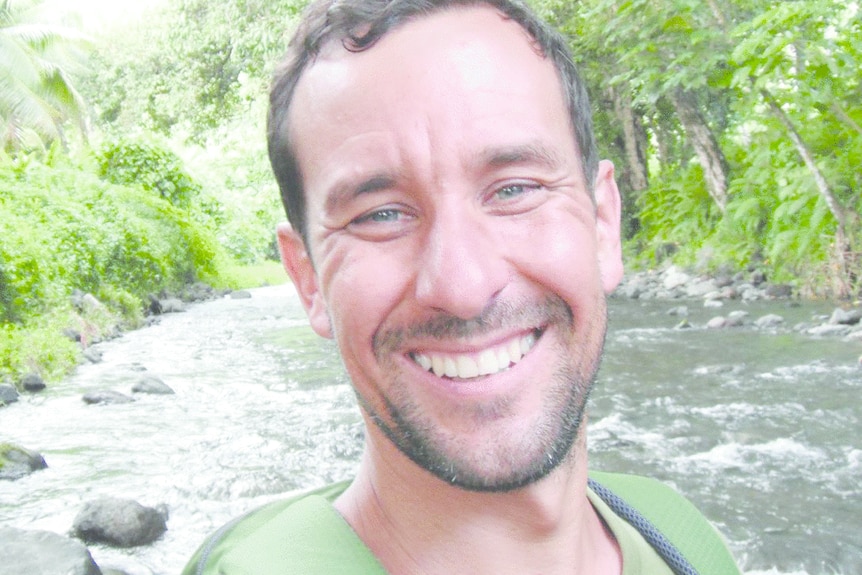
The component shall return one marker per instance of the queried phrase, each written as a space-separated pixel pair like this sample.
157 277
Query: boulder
736 318
680 310
701 288
151 384
769 321
674 278
90 304
778 291
240 294
8 394
32 382
829 330
120 522
72 334
43 553
93 355
172 305
717 322
105 397
845 316
17 462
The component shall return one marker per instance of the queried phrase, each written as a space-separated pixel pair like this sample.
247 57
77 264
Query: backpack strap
679 533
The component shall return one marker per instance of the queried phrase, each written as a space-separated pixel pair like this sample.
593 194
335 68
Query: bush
63 230
150 166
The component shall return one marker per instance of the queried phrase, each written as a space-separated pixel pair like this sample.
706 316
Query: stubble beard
515 458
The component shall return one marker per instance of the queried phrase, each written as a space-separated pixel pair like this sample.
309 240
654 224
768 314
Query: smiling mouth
470 365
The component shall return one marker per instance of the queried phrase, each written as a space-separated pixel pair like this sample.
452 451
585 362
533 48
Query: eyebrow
347 191
522 154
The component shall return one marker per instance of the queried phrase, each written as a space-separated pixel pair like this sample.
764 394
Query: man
455 234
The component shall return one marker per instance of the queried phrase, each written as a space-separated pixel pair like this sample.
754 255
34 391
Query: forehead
462 74
468 44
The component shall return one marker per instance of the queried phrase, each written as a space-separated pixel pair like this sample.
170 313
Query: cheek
561 255
361 286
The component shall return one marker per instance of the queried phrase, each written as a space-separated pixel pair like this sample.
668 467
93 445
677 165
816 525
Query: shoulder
666 519
300 534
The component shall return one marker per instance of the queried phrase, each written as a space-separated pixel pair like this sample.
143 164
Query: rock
684 324
72 334
829 330
119 522
240 294
105 397
154 306
8 394
713 303
43 553
151 384
674 278
680 310
845 317
77 299
93 355
757 277
700 288
778 291
718 322
198 292
89 304
32 382
736 318
854 335
769 321
172 305
17 462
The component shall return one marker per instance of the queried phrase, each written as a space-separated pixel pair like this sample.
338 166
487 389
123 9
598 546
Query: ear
608 208
297 262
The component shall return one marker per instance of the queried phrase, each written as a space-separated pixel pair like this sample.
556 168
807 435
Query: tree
37 93
800 61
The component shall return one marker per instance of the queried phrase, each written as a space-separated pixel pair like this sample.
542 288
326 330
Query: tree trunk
634 140
842 244
706 147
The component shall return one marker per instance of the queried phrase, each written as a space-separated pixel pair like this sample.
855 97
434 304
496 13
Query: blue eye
514 191
385 215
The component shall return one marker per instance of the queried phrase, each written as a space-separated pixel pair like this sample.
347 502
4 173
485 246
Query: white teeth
466 366
487 362
527 343
424 361
514 350
451 368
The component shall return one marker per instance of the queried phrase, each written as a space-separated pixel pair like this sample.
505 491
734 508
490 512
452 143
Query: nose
462 267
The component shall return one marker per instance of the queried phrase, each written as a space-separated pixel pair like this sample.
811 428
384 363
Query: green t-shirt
639 558
306 535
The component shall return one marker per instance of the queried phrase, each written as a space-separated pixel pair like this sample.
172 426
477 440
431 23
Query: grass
242 276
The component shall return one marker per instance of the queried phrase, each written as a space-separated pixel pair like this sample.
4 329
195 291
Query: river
761 430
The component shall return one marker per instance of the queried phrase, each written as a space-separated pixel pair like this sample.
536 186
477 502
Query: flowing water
761 430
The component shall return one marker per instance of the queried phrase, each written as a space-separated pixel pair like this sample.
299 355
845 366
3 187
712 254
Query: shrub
150 166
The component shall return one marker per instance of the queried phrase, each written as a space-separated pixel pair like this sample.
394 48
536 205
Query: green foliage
65 229
192 68
38 347
677 213
728 57
37 62
150 166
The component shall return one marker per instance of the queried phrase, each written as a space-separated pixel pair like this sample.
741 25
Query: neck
417 524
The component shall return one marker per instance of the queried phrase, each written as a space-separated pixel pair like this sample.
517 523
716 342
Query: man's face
458 259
